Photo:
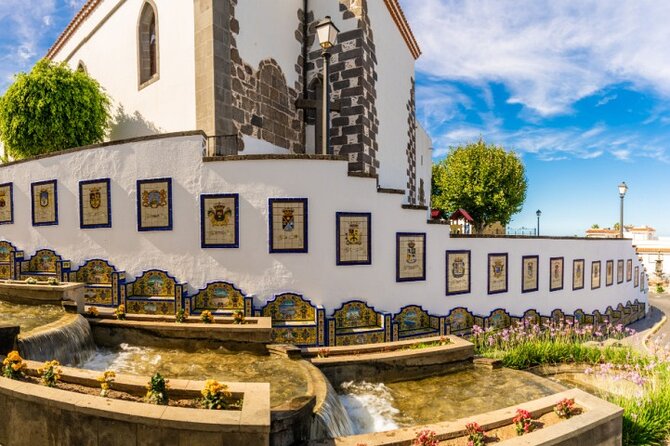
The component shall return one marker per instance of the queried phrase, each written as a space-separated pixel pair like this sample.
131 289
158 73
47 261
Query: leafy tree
52 108
484 179
595 226
616 226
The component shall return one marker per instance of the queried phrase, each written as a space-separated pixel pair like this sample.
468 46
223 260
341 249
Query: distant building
462 223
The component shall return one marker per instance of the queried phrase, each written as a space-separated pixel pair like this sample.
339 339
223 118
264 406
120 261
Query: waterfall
70 341
332 419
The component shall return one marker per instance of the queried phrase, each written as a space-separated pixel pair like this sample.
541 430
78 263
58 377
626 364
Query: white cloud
548 54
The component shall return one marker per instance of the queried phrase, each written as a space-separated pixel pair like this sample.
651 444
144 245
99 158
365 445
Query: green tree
484 179
52 108
595 226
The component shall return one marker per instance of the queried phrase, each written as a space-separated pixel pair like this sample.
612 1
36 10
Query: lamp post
538 213
623 188
327 34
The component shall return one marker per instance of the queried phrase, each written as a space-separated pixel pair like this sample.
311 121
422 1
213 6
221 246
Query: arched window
147 37
82 67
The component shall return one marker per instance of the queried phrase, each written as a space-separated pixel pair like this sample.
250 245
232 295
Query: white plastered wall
106 42
328 189
395 70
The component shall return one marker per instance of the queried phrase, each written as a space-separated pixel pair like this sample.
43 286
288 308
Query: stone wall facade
352 77
411 147
263 105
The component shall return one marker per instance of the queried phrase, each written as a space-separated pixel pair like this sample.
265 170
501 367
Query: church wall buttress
352 77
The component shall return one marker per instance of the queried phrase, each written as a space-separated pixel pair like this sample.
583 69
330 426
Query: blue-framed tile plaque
6 203
154 204
458 272
288 225
410 250
219 221
353 238
44 198
95 205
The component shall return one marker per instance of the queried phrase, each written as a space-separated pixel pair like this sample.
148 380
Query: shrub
475 434
206 317
238 317
52 108
181 316
13 365
157 390
565 408
215 396
50 373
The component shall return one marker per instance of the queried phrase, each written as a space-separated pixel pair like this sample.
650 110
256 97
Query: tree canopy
52 108
486 180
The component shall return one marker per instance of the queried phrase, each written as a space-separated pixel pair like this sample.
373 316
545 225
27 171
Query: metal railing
222 145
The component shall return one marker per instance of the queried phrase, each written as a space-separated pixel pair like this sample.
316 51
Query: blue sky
579 88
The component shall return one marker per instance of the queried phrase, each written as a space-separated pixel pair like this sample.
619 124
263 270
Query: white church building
215 175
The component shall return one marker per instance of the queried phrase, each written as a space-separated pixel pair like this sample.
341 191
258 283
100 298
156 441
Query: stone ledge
387 190
438 222
274 156
599 425
417 207
534 237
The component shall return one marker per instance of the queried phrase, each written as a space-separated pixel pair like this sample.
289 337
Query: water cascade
332 419
70 341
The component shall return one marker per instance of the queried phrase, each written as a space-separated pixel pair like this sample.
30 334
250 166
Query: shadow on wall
124 126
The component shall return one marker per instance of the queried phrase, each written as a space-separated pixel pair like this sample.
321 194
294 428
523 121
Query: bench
221 298
460 322
44 265
355 323
154 292
412 321
9 256
295 320
102 281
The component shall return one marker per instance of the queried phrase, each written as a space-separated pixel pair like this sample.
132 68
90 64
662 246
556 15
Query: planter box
39 294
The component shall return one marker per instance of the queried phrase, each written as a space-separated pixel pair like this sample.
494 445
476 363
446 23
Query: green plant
13 365
106 380
52 108
523 422
31 281
92 311
157 390
215 396
660 289
484 179
565 408
475 434
53 281
50 373
426 437
206 317
238 317
181 316
120 312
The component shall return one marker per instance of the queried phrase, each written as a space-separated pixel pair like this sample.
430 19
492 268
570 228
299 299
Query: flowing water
286 377
332 419
381 407
69 341
29 317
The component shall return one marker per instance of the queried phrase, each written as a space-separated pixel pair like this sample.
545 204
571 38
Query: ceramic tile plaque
458 272
288 225
609 272
219 220
6 203
154 204
354 238
556 273
595 275
95 209
497 273
578 274
637 277
619 271
410 256
629 270
529 273
44 197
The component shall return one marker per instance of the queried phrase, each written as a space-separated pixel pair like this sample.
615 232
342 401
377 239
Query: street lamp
538 213
622 192
327 34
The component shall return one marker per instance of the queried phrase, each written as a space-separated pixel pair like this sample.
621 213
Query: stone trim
148 13
438 222
533 237
363 175
386 190
417 207
107 144
72 27
410 151
274 156
403 26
